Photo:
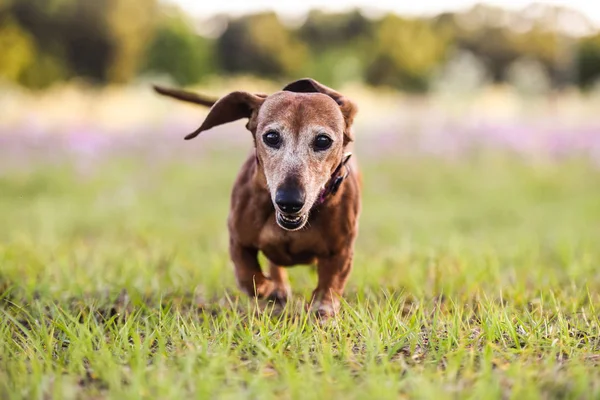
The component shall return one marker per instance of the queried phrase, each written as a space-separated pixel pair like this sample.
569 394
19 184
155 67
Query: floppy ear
185 96
347 107
234 106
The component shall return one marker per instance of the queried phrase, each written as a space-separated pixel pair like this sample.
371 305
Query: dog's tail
185 96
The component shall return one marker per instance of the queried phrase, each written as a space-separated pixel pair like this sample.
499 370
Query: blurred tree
588 61
66 30
529 77
130 24
336 66
260 44
177 50
111 41
18 49
337 43
324 31
495 46
462 75
500 38
46 70
550 48
100 40
405 53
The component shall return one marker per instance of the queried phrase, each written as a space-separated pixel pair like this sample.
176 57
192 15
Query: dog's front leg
281 291
333 273
248 273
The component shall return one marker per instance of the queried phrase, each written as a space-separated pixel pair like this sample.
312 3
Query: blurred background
443 76
477 122
478 136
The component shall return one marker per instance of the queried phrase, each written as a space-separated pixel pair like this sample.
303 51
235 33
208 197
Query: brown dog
295 199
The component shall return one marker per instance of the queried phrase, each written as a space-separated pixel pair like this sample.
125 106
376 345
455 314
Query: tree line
115 41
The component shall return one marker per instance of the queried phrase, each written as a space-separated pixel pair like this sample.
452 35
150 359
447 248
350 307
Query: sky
591 8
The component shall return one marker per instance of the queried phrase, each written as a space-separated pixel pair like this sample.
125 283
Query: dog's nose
289 200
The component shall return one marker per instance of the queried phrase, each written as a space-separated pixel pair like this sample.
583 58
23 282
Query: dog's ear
348 108
185 96
234 106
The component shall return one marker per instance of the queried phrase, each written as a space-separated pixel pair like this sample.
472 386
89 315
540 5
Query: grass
472 279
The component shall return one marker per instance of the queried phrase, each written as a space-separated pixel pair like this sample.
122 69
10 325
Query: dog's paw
280 295
260 289
325 310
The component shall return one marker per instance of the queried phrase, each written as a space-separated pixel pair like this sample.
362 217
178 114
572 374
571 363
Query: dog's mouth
291 222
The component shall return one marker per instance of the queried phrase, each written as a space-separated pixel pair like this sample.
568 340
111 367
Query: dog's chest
290 248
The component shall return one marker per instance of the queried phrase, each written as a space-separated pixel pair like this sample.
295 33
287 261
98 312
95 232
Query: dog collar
334 183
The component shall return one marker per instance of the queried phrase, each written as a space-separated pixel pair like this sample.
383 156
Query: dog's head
300 134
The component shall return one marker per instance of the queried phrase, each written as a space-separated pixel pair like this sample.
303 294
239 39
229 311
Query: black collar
334 183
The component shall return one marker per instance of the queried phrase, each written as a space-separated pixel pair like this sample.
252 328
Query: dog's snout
290 200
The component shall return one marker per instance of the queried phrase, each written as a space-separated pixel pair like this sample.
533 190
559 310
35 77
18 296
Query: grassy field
473 279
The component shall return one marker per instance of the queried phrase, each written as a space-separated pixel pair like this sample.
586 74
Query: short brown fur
304 110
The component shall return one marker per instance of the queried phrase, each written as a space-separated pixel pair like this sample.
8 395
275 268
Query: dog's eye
322 142
272 139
